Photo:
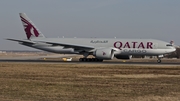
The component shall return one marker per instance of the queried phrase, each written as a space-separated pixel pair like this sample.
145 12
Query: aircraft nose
173 49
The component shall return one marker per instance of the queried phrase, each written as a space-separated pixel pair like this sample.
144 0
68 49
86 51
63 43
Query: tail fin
29 27
172 42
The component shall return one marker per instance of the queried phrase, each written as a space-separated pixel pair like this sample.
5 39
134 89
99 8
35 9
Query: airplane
100 48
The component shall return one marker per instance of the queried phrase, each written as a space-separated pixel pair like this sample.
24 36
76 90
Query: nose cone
172 49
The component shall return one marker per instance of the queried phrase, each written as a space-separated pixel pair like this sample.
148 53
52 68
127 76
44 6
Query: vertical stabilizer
29 27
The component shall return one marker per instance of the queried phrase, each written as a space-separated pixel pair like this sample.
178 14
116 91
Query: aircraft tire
158 61
90 60
80 59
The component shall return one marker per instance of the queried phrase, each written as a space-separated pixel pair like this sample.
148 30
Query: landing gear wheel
80 59
90 60
158 61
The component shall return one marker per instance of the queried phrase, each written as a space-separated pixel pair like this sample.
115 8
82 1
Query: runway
77 62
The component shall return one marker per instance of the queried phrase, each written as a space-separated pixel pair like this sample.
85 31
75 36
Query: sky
151 19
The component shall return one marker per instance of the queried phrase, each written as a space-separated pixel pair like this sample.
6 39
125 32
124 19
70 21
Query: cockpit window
169 45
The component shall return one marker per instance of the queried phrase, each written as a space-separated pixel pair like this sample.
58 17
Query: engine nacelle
127 57
104 53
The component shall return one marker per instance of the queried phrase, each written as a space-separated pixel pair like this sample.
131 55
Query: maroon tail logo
29 29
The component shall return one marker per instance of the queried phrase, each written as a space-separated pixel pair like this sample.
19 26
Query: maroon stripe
24 20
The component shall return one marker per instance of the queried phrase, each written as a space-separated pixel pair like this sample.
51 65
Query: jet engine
104 53
127 57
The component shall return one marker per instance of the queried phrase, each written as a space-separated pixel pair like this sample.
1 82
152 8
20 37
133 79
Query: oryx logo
103 53
29 28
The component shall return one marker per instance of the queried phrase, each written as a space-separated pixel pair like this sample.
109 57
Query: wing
65 45
75 46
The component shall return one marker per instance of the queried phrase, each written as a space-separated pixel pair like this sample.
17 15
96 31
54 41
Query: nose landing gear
159 58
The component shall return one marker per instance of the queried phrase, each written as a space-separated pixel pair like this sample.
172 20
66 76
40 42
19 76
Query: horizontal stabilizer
23 41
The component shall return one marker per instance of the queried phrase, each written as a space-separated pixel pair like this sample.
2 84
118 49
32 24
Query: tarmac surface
58 60
77 62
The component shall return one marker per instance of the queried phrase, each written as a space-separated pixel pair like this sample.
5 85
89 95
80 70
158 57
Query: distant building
2 51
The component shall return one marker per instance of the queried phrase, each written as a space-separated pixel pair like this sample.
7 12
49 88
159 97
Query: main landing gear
90 60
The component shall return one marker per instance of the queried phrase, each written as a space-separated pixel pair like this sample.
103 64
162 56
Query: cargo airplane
100 48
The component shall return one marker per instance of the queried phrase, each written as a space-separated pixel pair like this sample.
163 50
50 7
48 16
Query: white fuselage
123 46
